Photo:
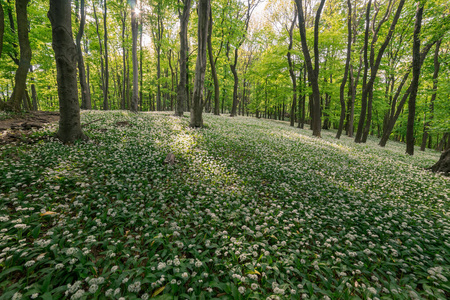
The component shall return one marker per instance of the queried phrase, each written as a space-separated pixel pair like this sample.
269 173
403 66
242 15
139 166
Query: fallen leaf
48 213
158 291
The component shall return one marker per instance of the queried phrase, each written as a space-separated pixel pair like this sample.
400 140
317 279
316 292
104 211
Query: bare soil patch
19 127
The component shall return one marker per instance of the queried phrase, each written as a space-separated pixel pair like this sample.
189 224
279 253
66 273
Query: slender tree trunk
134 34
375 64
313 73
212 63
415 81
172 76
291 70
102 69
25 57
105 40
362 116
34 97
235 82
124 60
437 66
346 70
66 62
200 68
85 95
2 28
141 63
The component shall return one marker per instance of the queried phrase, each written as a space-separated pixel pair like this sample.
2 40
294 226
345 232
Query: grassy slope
252 208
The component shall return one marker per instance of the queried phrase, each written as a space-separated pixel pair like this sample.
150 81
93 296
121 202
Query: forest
224 149
346 64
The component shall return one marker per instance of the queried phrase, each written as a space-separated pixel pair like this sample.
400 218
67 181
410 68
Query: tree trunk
134 34
66 62
346 71
200 68
105 40
212 63
437 66
102 69
85 95
374 65
415 81
313 74
235 83
124 60
141 62
443 164
182 85
25 57
2 28
291 70
34 97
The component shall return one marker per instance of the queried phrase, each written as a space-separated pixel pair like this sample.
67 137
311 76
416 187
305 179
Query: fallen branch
88 123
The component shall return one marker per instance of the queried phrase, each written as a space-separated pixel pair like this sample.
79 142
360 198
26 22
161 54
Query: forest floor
17 127
251 209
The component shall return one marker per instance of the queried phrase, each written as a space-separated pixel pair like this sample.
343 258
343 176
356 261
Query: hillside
250 209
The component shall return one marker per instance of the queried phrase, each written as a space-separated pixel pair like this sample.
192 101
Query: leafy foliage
251 209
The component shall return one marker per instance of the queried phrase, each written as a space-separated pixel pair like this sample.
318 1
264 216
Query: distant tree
2 28
105 40
372 63
157 25
213 63
437 66
410 140
313 73
85 92
134 33
247 13
200 68
346 70
66 69
100 45
291 69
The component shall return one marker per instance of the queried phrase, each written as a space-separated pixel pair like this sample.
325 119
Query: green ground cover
252 209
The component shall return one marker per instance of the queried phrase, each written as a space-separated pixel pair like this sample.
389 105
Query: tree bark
437 66
34 97
2 28
20 78
313 73
375 65
85 94
346 71
212 63
102 69
157 32
182 85
105 40
66 62
200 68
235 82
134 34
443 164
291 70
124 60
415 81
362 116
141 62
